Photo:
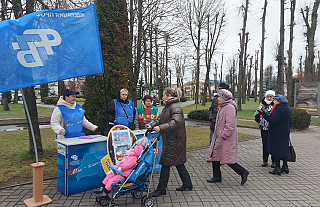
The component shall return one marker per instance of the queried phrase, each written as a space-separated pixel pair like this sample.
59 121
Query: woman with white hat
267 106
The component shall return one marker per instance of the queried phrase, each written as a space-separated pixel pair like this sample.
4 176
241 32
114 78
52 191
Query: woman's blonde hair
124 90
175 93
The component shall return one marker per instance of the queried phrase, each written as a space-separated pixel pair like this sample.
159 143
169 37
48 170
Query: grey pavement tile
262 188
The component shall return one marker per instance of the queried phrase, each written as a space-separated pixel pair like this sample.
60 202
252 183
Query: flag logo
29 55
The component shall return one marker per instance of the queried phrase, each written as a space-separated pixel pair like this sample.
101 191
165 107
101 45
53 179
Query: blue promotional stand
79 162
79 167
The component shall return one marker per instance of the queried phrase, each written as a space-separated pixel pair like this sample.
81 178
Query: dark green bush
50 100
183 99
199 114
300 119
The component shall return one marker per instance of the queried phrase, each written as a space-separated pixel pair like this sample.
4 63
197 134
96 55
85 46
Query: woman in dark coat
171 125
279 131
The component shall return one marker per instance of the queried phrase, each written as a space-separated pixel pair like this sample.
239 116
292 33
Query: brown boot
210 159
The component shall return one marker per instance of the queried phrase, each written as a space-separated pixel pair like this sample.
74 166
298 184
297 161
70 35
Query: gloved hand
110 171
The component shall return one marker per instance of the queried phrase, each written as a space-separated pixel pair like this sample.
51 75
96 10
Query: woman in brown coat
171 125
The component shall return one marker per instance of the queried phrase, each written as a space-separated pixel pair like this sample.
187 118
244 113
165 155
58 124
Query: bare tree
289 68
231 77
262 49
194 14
256 75
244 9
310 34
249 78
280 57
212 43
4 100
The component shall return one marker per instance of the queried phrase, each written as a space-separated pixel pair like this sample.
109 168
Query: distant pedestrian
267 106
279 132
213 110
224 144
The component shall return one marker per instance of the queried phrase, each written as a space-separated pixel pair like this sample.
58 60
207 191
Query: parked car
19 95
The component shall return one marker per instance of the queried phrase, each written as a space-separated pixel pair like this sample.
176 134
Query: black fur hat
223 86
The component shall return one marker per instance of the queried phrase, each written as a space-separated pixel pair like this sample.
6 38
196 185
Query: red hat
147 97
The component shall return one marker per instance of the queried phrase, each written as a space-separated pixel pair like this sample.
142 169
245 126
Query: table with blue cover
78 164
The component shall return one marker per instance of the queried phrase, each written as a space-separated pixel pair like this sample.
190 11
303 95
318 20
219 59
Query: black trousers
164 176
236 167
277 161
265 154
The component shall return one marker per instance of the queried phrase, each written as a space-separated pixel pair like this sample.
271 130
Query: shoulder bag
292 153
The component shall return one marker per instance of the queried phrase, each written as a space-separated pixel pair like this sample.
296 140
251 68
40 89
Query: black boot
157 193
183 188
104 195
264 164
99 190
276 171
273 165
285 169
214 180
244 177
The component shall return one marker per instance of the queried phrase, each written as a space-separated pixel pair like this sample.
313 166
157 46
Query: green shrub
199 114
183 99
50 100
300 119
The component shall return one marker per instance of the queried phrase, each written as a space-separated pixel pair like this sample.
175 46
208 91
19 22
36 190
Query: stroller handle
116 171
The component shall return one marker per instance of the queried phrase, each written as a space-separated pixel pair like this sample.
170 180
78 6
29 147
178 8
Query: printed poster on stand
121 143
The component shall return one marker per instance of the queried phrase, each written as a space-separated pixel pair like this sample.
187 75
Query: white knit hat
270 92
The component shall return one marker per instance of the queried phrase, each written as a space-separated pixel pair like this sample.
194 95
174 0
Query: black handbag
132 126
292 154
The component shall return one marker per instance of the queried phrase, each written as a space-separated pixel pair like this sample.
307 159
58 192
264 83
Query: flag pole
38 198
31 128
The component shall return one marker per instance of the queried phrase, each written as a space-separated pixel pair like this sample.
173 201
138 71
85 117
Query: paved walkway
301 187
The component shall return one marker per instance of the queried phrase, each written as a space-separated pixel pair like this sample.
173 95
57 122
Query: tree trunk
289 76
151 55
16 97
241 56
280 79
262 50
138 57
244 86
5 101
256 76
61 88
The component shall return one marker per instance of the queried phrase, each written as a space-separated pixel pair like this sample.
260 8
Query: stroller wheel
104 202
143 199
148 202
137 194
98 200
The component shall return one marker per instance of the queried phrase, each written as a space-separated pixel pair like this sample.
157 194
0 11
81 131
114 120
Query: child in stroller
130 175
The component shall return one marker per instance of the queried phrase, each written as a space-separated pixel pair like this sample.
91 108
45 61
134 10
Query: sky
234 24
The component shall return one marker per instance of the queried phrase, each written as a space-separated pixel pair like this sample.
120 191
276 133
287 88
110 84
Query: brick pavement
301 187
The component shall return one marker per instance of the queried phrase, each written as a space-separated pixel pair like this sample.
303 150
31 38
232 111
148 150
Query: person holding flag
68 117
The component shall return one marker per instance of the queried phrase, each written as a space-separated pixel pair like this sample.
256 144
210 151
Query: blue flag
49 46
